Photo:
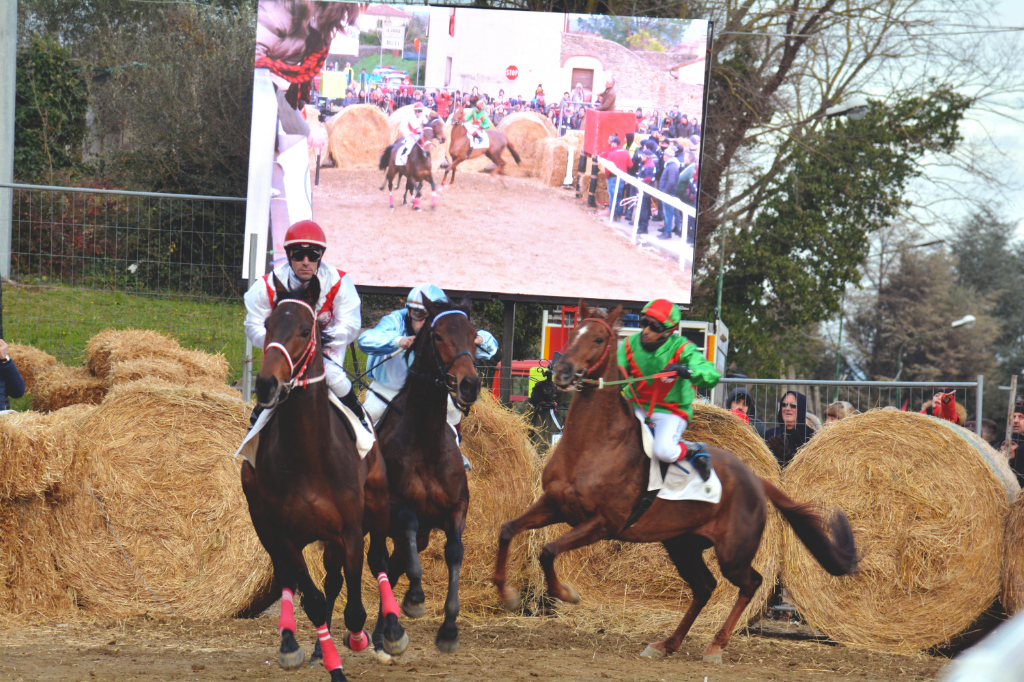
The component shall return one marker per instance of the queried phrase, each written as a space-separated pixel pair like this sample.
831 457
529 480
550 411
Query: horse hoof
291 661
338 676
574 596
392 207
382 656
447 646
651 652
514 604
414 611
396 648
716 659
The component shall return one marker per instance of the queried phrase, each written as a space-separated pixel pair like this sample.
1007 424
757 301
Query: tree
634 32
50 105
806 233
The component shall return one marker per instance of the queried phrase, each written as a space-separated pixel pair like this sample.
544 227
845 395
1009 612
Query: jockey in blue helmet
387 363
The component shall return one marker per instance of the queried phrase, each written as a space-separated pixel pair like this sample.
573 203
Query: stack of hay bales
525 130
31 363
357 136
554 155
629 585
62 386
1012 593
927 503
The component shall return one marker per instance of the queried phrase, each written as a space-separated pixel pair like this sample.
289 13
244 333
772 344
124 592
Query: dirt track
503 649
522 238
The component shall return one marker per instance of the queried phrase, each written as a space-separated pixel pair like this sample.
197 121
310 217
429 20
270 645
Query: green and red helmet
665 312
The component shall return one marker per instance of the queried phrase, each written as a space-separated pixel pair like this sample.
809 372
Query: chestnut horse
597 476
459 149
416 169
309 484
425 471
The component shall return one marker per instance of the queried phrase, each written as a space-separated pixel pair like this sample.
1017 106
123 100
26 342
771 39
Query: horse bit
297 377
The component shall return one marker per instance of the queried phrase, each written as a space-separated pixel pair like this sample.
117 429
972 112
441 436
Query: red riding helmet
305 233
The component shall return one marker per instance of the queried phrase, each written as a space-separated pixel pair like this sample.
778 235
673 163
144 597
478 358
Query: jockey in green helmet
477 120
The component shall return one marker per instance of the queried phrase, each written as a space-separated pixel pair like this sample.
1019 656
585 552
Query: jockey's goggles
417 314
656 327
298 255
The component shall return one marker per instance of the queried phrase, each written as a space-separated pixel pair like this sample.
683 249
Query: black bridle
446 378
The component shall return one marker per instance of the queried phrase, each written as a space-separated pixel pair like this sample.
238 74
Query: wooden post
580 170
592 194
506 354
1009 413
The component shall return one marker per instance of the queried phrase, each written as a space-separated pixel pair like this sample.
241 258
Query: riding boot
698 455
350 401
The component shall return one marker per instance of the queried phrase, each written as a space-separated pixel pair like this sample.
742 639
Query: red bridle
298 377
607 345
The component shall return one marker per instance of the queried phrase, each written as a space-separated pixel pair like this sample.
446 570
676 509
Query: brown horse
416 169
425 472
598 474
309 484
459 149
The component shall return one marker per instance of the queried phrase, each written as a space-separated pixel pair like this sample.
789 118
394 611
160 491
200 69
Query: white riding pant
668 432
336 379
375 407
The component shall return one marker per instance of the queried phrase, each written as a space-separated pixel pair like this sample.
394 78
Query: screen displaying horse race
543 155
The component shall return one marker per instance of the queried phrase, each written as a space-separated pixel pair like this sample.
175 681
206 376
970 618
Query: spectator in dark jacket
667 184
11 383
740 399
784 440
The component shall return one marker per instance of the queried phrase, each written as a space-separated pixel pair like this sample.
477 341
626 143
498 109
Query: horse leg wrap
433 198
358 641
287 620
391 198
387 597
331 658
416 202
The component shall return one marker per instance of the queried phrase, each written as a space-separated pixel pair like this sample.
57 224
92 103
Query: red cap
305 232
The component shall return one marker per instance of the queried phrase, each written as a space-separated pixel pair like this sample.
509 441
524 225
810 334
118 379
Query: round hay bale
358 136
575 138
623 584
524 130
927 504
31 363
39 451
30 582
396 118
113 345
159 459
149 350
1012 593
174 371
63 386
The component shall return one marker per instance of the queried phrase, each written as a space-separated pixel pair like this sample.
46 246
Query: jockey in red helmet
667 401
337 311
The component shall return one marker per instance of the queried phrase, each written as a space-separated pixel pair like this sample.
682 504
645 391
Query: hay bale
554 154
160 460
927 504
1012 593
151 351
114 345
63 386
358 136
625 584
31 363
39 451
525 130
30 583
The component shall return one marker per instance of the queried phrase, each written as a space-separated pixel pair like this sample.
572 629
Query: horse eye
600 339
305 333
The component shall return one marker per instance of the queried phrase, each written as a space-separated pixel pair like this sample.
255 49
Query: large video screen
445 145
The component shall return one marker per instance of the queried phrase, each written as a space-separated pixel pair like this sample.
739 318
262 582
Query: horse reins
600 382
298 378
443 380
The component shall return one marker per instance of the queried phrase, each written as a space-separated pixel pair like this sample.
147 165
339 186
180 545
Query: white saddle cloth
364 439
474 144
402 155
681 482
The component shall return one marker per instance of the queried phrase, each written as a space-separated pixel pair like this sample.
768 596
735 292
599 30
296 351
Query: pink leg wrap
287 620
433 198
387 597
416 202
331 658
358 641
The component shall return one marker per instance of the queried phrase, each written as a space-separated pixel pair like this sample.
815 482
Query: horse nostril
469 388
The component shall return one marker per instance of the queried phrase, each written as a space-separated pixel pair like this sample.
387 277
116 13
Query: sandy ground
513 649
523 238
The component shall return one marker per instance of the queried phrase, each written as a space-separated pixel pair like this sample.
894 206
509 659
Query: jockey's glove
682 371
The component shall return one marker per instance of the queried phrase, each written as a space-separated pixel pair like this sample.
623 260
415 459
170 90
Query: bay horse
309 484
425 471
460 149
598 474
417 167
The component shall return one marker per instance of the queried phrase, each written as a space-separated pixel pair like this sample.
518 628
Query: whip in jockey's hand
337 311
667 401
389 366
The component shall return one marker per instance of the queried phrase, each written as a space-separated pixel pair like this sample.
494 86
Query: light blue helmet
431 291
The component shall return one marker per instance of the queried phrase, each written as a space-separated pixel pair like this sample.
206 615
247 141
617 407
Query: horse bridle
586 373
444 381
298 378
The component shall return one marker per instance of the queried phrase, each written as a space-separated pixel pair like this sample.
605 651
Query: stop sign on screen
511 73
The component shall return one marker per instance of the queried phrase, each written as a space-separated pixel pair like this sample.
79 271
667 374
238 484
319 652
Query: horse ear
278 287
429 305
312 293
613 317
584 310
466 305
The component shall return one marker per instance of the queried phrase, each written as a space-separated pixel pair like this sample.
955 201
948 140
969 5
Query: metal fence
84 260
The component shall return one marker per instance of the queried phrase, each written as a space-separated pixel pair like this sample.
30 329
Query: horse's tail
385 158
508 143
838 556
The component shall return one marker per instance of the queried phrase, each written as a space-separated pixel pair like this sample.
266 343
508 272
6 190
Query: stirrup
698 455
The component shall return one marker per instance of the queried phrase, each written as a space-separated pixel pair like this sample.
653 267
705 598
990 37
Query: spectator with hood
11 383
784 440
740 399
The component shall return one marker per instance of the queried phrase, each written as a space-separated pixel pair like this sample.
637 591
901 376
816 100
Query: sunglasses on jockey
298 254
417 314
656 327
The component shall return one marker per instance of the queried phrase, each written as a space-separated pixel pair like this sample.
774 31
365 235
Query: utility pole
8 75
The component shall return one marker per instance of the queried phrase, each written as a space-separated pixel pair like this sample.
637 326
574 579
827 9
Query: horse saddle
479 140
402 155
678 480
364 439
